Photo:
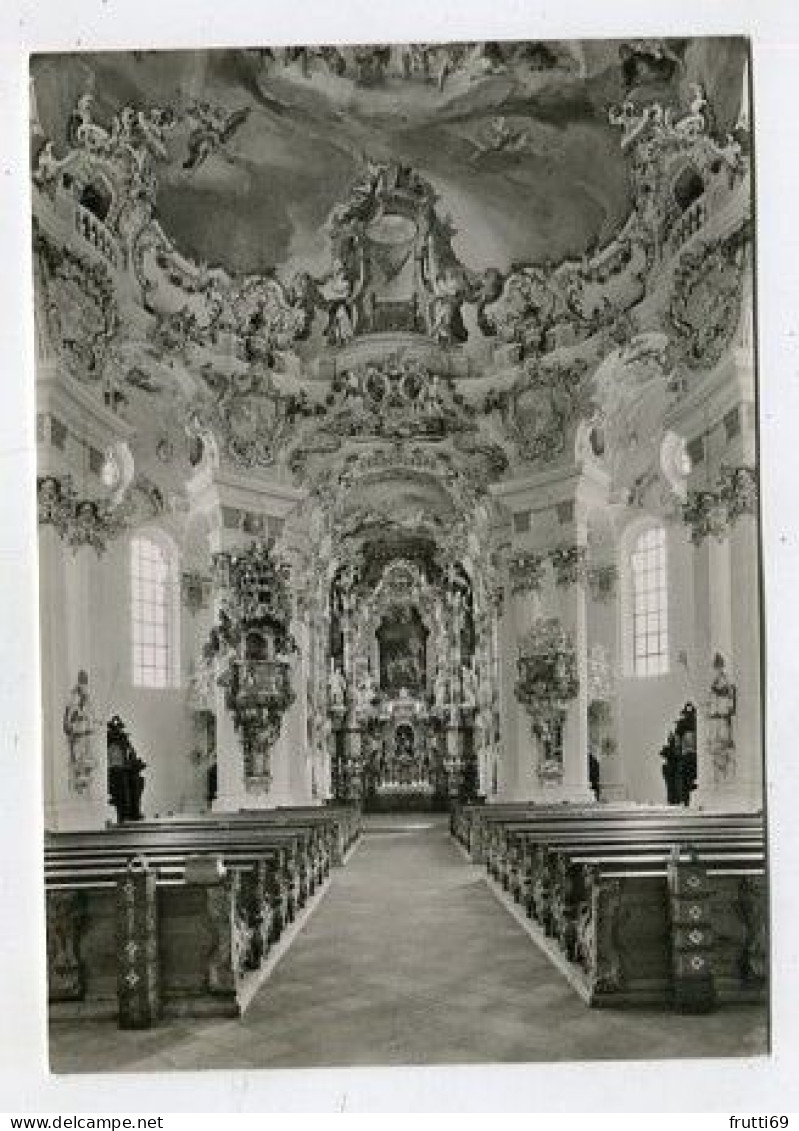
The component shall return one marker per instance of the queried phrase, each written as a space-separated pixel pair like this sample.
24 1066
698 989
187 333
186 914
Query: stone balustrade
92 229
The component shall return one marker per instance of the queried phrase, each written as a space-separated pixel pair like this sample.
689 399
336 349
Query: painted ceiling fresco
457 258
516 140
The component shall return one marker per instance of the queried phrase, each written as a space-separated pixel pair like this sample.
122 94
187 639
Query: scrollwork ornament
78 521
738 490
526 572
713 511
570 564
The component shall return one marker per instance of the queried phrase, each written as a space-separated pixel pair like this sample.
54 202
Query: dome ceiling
365 270
517 142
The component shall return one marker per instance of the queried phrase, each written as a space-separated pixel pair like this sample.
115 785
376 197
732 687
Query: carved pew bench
569 869
302 870
518 860
624 938
285 875
196 946
538 875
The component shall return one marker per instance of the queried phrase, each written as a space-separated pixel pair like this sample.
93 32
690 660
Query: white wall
158 721
648 706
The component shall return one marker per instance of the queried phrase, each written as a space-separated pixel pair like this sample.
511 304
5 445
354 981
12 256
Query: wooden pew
305 853
206 944
212 936
570 870
528 871
598 884
510 847
624 938
482 820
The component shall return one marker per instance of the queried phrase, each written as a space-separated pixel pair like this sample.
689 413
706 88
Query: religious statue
679 758
440 688
340 295
79 728
469 687
365 692
125 778
720 712
337 687
446 317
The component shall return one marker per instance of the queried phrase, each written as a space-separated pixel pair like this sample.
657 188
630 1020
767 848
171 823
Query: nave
441 498
409 957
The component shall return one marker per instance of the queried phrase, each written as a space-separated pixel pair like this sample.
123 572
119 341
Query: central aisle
410 959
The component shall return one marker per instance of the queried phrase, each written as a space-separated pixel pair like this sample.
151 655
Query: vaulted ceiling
549 183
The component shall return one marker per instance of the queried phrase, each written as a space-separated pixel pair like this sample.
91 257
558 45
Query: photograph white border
769 1084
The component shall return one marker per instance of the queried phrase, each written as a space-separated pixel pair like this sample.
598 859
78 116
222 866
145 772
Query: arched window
647 630
153 614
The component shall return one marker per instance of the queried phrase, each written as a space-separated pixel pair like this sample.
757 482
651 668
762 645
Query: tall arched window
648 626
153 619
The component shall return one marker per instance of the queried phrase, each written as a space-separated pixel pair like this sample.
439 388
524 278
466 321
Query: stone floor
409 959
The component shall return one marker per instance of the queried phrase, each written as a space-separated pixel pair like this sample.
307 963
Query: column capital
537 491
240 507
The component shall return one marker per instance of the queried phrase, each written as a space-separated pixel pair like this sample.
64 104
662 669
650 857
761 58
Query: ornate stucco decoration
705 305
247 415
601 678
79 305
546 405
713 511
394 268
681 176
547 682
681 171
396 398
738 488
91 522
526 571
570 564
250 645
254 319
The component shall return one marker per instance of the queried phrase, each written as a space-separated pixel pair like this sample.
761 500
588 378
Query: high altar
405 738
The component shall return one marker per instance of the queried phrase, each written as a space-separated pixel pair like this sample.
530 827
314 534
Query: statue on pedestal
337 688
440 688
470 687
79 728
125 778
721 710
365 692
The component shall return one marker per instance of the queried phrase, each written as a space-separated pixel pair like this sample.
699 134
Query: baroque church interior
398 549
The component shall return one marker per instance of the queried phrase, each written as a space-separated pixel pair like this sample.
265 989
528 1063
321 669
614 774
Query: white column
526 786
218 492
745 665
725 600
58 801
66 604
573 617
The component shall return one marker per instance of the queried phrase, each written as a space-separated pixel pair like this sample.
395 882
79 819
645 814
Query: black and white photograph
399 573
399 546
